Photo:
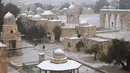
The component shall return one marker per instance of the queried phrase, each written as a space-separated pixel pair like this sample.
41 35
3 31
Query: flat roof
69 65
98 39
117 10
2 45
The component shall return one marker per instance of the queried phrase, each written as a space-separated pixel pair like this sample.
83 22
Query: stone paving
31 56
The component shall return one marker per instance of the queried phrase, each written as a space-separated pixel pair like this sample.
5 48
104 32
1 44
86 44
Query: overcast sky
51 1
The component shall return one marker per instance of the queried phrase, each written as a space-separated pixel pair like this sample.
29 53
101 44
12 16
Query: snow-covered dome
105 7
9 15
89 8
58 57
24 15
73 8
110 6
84 22
9 18
47 13
59 52
36 17
64 8
39 10
30 16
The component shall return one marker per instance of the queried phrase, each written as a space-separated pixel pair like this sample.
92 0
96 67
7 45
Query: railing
27 69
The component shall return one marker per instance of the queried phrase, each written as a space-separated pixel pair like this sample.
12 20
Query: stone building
102 43
3 58
85 29
70 43
73 14
87 11
10 34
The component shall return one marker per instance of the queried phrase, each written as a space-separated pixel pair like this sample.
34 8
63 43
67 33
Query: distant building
124 4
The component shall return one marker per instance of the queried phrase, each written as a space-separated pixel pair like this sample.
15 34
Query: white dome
59 52
64 8
105 7
89 8
39 9
24 15
84 22
71 6
47 13
30 16
37 17
9 15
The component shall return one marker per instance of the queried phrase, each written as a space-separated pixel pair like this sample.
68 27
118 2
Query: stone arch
79 46
11 31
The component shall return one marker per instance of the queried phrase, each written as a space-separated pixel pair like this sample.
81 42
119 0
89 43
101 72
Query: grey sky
51 1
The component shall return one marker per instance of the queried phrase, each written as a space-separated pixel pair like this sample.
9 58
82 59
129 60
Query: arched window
11 31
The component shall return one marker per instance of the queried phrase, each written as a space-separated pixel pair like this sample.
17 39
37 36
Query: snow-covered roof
2 45
41 53
74 38
47 13
9 15
69 65
116 10
98 39
37 17
30 16
84 22
59 51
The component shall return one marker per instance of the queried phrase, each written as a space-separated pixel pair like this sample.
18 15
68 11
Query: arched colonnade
122 15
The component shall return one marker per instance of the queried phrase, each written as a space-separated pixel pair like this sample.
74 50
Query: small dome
9 18
37 17
39 10
30 16
89 8
84 22
59 52
105 7
47 13
64 8
24 15
9 15
73 8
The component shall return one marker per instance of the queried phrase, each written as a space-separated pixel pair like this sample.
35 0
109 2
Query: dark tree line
31 30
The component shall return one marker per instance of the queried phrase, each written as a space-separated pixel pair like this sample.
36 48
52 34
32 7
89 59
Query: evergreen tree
1 14
57 31
119 53
100 4
95 49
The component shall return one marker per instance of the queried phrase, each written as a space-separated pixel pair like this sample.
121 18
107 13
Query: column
115 18
109 16
102 20
128 21
52 37
78 70
121 22
41 57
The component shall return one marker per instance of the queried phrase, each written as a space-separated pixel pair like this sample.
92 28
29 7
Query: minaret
3 58
10 34
73 14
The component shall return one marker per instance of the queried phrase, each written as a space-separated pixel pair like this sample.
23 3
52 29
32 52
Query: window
11 31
